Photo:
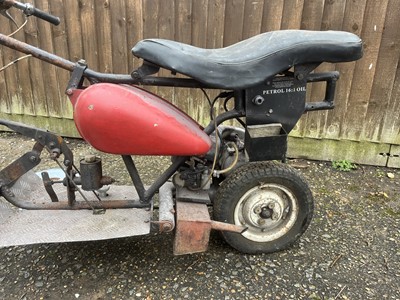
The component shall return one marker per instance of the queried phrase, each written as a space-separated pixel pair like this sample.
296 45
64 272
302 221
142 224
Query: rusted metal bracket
20 166
193 226
48 185
77 77
55 144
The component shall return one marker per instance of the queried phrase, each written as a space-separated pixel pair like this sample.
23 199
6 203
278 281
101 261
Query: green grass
343 165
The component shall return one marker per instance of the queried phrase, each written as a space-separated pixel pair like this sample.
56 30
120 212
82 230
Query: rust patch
193 226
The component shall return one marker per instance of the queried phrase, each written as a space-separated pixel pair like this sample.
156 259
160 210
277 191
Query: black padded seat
251 61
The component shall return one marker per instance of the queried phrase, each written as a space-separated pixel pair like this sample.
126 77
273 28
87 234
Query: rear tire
271 199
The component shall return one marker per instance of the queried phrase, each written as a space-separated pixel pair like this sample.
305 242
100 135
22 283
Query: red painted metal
123 119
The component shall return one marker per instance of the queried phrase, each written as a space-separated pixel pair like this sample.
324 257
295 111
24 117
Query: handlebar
30 10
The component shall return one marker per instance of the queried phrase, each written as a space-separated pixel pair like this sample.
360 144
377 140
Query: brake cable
14 62
5 13
19 28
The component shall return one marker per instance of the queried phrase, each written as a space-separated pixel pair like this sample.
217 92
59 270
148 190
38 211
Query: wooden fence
363 128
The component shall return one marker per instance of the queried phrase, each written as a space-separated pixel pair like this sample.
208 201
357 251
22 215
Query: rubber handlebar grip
45 16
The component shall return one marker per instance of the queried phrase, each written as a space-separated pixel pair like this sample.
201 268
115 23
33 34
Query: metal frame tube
102 77
77 205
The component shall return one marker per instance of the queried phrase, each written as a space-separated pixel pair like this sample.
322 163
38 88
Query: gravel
351 250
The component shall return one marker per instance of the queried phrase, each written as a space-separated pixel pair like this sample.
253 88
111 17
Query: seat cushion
251 61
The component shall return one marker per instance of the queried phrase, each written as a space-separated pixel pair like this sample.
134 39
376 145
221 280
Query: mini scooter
229 178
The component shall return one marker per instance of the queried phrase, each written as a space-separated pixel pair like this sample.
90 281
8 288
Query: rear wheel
272 200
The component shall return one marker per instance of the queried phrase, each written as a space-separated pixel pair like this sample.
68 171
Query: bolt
67 163
299 76
32 158
258 100
261 221
135 75
271 205
275 216
165 227
257 210
69 92
82 62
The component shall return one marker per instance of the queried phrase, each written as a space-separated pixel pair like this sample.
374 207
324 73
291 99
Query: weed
380 173
343 165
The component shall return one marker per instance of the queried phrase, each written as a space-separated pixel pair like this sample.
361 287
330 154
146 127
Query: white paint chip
370 66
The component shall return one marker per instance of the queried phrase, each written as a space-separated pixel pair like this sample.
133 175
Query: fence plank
253 11
104 36
312 15
26 105
36 70
119 41
391 127
386 65
53 96
166 30
150 25
90 46
332 19
14 99
215 24
365 70
311 20
74 29
199 39
61 48
183 33
135 27
292 14
4 100
234 16
272 15
352 22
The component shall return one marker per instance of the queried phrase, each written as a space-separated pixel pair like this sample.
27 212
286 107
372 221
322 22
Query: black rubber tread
248 176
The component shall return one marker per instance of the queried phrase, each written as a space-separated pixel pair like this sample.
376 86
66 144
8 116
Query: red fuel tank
123 119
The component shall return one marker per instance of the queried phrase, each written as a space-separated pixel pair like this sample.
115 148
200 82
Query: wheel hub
268 211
